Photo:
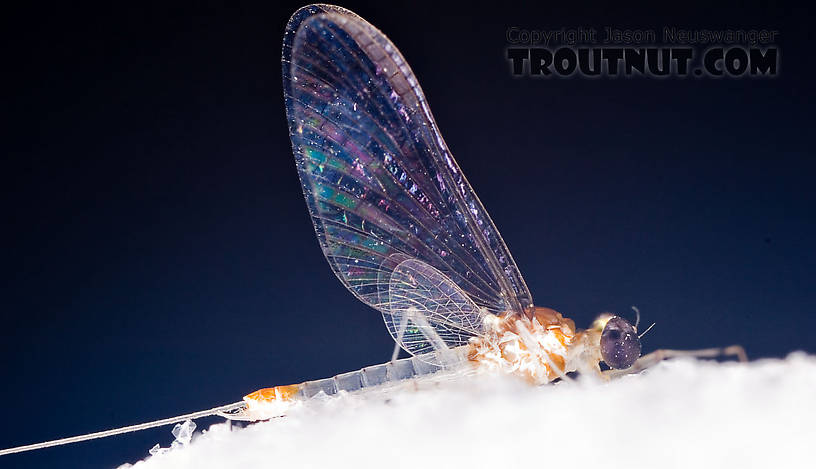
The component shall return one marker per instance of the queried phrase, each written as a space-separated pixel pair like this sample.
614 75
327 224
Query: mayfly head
620 345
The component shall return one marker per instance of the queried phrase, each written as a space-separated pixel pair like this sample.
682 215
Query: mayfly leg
427 329
529 339
400 333
421 322
651 359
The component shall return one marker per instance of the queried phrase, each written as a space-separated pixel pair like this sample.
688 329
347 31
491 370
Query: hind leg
657 356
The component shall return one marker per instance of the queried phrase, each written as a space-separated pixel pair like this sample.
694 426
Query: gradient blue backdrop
157 254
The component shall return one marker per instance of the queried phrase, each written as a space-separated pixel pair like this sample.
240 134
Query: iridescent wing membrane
382 188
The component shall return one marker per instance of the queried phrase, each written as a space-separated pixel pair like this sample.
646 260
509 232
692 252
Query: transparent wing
379 181
428 312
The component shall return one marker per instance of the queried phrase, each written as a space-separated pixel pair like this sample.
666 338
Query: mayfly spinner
404 231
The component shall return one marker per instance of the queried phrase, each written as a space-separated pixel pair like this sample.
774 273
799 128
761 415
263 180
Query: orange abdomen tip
277 393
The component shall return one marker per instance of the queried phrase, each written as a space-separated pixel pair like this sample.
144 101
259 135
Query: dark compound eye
620 346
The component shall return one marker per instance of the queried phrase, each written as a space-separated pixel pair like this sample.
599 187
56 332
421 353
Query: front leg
657 356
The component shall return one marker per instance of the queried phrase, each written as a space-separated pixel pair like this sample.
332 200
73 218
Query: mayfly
403 230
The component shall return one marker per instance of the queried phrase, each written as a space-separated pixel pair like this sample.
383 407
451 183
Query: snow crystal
679 414
183 432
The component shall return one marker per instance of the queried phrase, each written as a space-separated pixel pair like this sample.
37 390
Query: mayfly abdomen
376 375
274 401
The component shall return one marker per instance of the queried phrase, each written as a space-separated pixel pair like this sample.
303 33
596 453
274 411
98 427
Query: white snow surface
679 414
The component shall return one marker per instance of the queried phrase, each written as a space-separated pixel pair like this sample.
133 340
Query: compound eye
620 345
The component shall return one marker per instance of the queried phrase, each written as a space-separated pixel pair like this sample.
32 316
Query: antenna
637 312
647 330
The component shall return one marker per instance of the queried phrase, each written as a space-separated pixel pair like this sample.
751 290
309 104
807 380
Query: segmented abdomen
376 375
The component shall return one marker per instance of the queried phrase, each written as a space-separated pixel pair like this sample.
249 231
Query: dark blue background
157 253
